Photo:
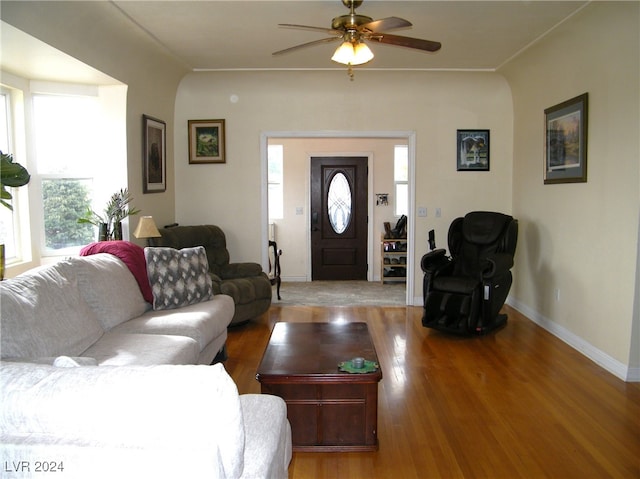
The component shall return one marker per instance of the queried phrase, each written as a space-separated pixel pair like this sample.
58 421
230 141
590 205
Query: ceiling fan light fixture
352 53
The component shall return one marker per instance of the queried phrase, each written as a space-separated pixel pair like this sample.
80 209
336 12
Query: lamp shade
350 53
146 228
344 53
363 54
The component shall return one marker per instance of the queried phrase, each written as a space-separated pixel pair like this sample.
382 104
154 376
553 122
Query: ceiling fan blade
304 45
418 44
315 29
388 23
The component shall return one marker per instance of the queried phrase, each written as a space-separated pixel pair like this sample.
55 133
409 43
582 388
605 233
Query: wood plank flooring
517 403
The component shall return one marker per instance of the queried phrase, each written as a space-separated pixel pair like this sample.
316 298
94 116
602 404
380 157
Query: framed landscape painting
206 141
154 155
565 141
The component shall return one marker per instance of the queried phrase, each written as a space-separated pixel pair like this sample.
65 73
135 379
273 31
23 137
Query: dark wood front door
339 218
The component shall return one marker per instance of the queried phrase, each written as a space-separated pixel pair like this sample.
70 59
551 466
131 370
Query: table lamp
146 228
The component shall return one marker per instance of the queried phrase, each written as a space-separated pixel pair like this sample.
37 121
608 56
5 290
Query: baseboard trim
596 355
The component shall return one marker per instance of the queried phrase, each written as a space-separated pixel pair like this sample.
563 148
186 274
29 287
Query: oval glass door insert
339 203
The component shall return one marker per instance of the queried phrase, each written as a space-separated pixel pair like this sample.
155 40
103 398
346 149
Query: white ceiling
219 35
242 34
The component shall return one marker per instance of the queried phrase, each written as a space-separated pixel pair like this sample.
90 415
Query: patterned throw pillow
178 277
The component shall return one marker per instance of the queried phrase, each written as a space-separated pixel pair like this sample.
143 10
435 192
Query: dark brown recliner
463 293
246 283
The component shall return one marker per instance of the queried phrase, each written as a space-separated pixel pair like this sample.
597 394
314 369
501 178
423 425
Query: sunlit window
80 161
401 179
68 140
275 160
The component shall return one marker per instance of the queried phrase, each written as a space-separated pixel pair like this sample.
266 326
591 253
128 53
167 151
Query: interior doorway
303 146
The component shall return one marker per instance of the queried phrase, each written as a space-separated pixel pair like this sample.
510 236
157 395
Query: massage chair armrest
497 264
434 261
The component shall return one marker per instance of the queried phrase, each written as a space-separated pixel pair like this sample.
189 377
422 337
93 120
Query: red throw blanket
132 255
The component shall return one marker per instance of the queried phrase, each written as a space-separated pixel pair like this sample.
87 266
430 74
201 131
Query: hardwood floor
517 403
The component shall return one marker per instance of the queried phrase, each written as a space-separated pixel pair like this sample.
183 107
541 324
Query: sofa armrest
268 447
239 270
156 410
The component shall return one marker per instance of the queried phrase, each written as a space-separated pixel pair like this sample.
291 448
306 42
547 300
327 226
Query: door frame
409 135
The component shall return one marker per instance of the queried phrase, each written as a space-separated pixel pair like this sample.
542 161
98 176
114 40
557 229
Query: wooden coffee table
329 410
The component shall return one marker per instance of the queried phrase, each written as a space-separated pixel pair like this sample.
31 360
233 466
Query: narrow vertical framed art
154 156
565 141
472 150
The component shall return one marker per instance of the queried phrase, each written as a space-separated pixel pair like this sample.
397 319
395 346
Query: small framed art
565 141
154 157
206 141
473 150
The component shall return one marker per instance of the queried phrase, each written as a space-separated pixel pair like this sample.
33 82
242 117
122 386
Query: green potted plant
12 175
110 223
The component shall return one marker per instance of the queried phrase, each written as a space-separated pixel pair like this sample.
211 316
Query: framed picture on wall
473 150
154 157
206 141
565 141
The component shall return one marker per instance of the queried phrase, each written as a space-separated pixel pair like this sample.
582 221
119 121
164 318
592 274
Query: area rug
341 293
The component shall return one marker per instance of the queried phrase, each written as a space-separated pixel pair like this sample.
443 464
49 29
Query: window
275 154
339 203
67 137
401 179
80 161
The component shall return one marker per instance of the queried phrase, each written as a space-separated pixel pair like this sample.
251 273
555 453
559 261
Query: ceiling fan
353 29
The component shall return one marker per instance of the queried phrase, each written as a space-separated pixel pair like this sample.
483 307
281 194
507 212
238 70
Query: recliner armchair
464 292
246 283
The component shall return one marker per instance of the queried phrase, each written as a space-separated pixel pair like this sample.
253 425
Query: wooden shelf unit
393 260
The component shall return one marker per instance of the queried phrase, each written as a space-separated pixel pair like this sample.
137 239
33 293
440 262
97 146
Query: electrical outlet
422 211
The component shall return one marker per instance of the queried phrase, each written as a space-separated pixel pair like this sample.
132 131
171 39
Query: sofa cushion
109 288
119 349
203 321
43 314
178 277
131 254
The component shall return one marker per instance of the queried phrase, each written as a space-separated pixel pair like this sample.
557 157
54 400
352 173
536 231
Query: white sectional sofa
96 382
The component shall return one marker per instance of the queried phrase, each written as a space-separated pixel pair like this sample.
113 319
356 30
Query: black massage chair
464 292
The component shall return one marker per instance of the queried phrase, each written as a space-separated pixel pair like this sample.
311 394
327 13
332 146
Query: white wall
433 105
582 239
